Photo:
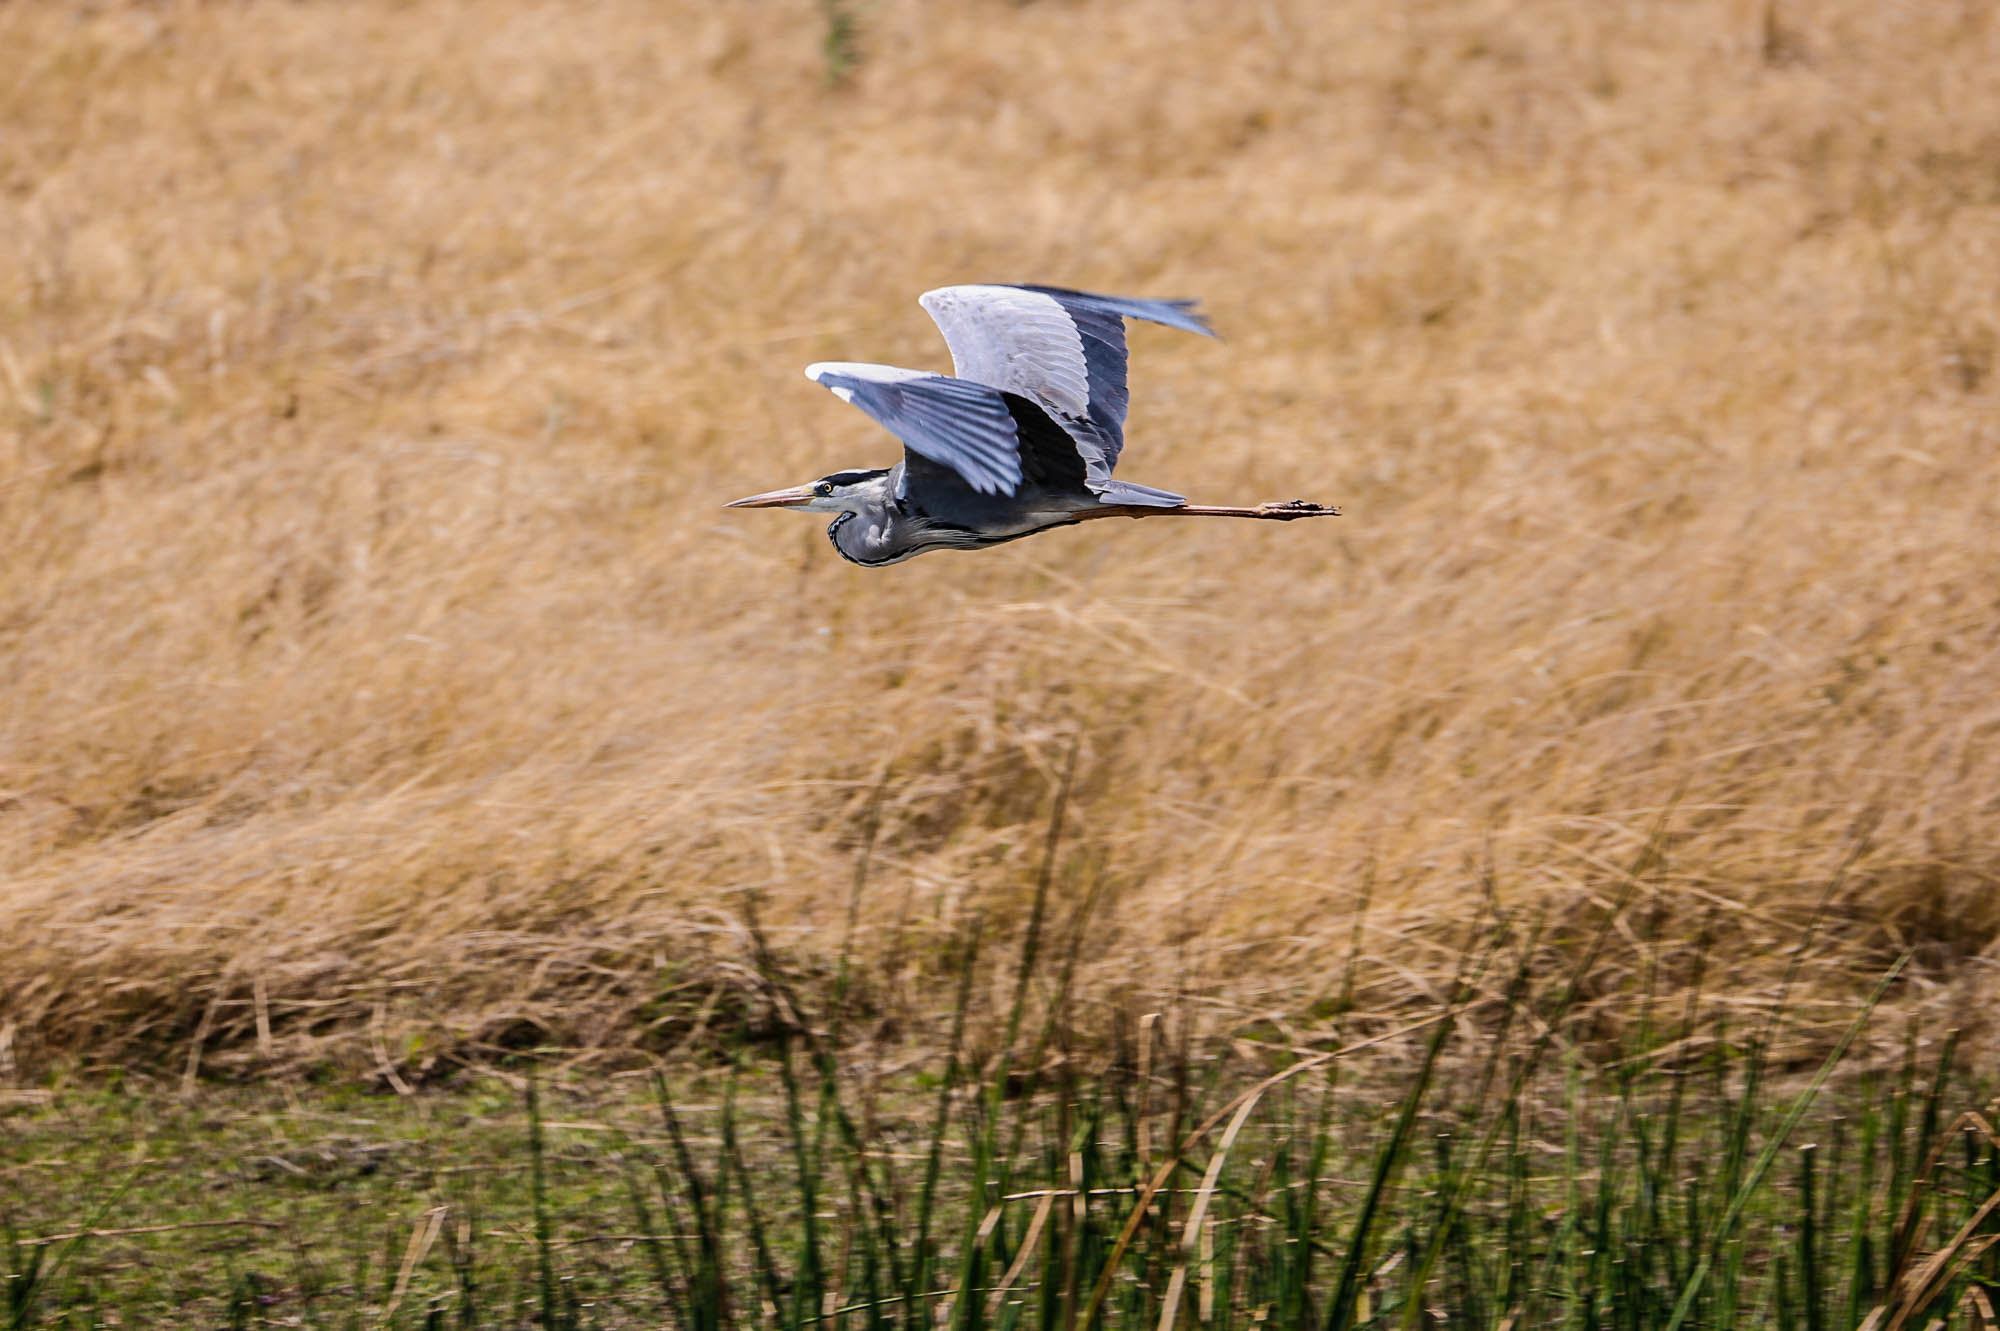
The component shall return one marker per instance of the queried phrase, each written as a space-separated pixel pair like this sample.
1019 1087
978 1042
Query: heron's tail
1143 496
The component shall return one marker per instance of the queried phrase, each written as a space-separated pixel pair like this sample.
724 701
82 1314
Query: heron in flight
1021 440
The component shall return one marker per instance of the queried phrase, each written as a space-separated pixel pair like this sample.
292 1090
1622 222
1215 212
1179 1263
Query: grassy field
1449 1173
384 688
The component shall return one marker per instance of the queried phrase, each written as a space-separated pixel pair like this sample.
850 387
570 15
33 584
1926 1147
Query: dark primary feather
1179 314
1049 459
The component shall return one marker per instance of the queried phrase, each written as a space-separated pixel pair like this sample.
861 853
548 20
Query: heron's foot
1297 508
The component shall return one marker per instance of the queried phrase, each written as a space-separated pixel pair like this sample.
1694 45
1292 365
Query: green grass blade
1726 1226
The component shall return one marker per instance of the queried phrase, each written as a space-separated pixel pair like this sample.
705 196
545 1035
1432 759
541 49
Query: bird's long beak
792 498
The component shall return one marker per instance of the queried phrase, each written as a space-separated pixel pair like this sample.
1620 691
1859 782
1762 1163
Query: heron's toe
1300 508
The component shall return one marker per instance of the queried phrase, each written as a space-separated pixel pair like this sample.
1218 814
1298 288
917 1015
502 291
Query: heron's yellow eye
823 489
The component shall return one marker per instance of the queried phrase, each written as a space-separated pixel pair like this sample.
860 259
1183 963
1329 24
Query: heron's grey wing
1063 350
965 426
1100 325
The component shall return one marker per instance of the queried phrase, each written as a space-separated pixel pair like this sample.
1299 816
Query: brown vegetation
381 673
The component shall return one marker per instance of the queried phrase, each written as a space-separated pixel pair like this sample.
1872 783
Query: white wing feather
880 374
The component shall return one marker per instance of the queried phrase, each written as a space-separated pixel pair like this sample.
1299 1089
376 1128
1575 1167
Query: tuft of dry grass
381 677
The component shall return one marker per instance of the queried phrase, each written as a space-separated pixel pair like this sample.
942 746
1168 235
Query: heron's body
1022 439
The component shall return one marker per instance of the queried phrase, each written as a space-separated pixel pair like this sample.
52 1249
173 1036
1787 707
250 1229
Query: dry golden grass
378 662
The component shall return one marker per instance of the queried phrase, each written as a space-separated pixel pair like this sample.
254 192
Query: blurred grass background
382 685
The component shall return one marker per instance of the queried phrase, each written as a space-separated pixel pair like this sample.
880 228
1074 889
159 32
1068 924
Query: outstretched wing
965 426
1063 350
994 441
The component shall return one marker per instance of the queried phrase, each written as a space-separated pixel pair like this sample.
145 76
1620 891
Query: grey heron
1023 438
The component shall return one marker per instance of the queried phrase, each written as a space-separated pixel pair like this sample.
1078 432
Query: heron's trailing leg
1284 511
1287 511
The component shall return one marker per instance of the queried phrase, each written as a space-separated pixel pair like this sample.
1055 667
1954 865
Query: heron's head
842 492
